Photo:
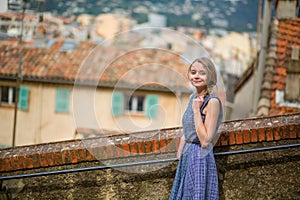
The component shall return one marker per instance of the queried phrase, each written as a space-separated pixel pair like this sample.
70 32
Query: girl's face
198 75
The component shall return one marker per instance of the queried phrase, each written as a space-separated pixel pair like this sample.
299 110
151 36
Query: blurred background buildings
44 44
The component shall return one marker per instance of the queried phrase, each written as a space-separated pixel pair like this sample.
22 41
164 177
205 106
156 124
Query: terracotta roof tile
53 64
288 35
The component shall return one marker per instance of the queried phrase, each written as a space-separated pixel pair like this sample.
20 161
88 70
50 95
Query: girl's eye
201 73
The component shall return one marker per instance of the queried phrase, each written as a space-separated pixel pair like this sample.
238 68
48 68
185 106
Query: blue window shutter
151 106
62 100
23 98
117 103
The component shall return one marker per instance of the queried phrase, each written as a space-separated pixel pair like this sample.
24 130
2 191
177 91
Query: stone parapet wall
257 175
233 133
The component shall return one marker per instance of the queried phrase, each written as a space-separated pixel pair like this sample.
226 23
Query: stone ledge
237 132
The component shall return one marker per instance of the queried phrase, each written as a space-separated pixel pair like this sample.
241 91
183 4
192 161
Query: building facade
58 95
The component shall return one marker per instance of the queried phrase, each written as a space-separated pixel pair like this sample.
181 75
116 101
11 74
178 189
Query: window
7 94
136 103
62 100
68 46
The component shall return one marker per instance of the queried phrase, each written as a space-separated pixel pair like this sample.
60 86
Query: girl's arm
181 143
205 131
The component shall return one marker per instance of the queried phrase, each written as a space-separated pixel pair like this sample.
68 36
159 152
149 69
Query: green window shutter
117 103
62 100
151 106
23 98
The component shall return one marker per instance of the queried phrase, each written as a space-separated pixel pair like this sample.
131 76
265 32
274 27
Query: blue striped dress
196 175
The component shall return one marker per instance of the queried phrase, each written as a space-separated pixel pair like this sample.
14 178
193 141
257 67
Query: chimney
295 53
286 8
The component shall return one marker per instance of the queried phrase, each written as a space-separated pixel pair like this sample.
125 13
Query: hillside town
57 38
53 49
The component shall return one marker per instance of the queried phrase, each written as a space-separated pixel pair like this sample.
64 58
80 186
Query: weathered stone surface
260 175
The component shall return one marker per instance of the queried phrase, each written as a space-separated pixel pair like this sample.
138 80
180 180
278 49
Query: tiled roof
18 16
283 36
42 63
156 67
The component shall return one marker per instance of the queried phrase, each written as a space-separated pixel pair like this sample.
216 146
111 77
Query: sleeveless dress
196 175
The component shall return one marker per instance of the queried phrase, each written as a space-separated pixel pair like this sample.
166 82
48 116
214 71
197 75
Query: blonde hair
211 73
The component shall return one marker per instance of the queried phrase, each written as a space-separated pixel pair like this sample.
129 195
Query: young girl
196 176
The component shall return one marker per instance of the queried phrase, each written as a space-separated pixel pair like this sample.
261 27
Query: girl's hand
179 153
197 103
